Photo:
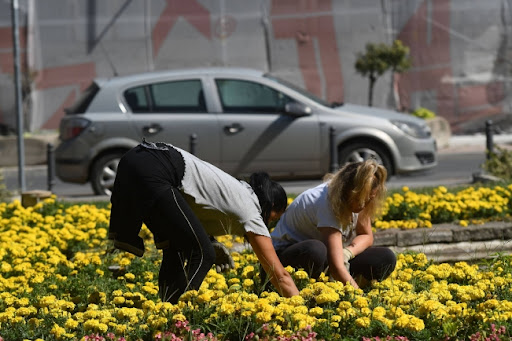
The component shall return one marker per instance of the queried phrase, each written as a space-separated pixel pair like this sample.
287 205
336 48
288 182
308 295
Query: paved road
454 167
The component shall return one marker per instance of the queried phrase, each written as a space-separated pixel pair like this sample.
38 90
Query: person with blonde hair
328 228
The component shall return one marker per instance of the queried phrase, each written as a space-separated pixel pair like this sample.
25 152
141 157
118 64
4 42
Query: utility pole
17 83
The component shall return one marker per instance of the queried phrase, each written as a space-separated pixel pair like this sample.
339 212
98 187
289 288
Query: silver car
240 120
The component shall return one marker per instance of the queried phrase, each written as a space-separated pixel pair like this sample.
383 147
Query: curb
36 149
449 242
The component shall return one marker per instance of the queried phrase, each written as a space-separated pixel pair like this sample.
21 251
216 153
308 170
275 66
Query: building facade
460 51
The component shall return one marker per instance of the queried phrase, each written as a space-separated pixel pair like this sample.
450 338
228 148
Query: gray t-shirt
223 204
301 220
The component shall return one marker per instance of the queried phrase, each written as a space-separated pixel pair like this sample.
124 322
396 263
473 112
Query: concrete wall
460 49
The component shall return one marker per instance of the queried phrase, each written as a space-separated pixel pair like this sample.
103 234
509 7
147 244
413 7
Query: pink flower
93 337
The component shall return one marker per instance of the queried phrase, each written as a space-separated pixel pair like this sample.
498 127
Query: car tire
361 151
104 173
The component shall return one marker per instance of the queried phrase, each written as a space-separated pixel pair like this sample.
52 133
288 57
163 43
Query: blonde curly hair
363 183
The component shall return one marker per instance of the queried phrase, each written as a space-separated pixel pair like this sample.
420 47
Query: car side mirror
297 109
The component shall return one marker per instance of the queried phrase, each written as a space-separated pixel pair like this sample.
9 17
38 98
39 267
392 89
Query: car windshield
302 91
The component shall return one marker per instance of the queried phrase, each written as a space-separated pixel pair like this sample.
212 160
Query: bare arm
363 238
333 241
267 256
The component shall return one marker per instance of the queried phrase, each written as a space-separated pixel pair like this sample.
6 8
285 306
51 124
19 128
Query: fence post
50 160
489 138
193 142
333 152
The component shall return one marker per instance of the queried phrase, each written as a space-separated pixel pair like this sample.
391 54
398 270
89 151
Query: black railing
50 160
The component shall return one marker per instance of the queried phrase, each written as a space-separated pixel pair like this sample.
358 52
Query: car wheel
104 173
363 151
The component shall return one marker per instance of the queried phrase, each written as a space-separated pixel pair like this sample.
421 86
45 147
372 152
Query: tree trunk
396 92
370 90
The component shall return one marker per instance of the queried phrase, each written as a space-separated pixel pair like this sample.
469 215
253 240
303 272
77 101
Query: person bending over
328 228
184 200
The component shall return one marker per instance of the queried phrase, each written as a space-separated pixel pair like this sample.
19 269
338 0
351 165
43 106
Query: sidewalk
477 142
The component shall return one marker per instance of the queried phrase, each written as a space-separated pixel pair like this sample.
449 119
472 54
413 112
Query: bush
499 163
5 195
423 113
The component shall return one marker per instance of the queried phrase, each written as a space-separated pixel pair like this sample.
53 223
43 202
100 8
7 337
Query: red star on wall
191 10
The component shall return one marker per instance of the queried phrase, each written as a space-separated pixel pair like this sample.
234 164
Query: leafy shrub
5 195
499 163
423 113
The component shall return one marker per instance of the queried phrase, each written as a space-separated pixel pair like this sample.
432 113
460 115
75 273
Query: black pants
190 254
311 255
146 190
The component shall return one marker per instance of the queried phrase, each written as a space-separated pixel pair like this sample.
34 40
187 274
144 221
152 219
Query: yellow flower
316 311
301 274
118 300
179 317
234 280
263 316
336 318
71 324
129 276
363 322
57 331
361 302
248 283
327 297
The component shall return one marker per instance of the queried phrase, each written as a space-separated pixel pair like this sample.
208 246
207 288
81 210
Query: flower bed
61 280
407 209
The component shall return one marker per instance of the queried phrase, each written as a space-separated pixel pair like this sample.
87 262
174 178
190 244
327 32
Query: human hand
223 259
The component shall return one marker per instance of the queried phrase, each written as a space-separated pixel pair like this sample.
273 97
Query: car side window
136 99
178 96
245 96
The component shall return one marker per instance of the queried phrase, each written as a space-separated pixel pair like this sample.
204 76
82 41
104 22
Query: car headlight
419 131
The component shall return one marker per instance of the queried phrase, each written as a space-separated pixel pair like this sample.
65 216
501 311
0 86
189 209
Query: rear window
136 99
81 105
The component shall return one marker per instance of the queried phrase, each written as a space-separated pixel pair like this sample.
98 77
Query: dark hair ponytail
271 195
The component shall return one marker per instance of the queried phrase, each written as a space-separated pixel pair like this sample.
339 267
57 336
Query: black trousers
146 191
311 255
190 254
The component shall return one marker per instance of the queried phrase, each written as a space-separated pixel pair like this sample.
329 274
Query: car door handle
233 129
152 129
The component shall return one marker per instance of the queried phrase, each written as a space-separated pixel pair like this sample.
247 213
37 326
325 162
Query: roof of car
181 72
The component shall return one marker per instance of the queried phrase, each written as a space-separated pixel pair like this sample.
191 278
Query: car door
175 111
258 135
